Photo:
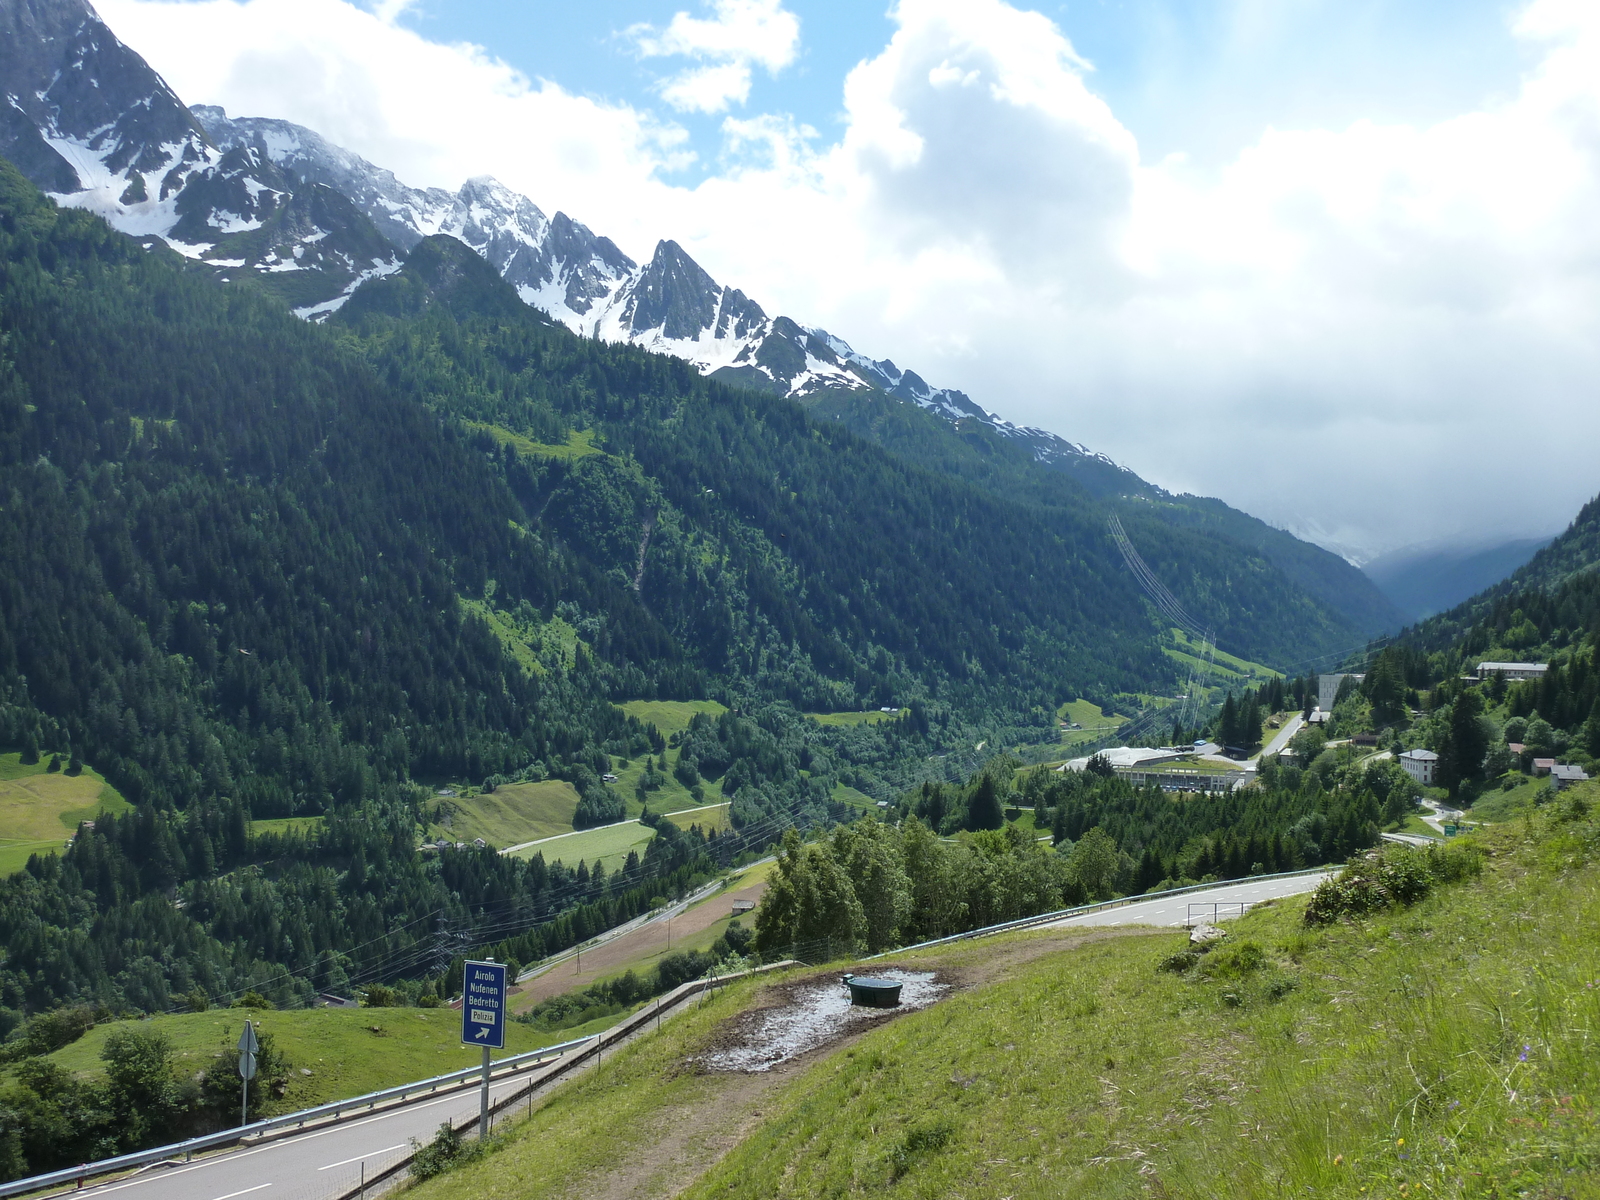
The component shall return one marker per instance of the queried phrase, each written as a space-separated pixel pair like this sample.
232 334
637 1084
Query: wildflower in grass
1523 1057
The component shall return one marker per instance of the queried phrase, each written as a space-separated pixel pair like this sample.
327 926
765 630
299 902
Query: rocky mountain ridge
90 122
277 205
670 304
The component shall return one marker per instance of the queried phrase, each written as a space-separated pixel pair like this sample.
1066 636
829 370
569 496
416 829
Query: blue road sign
483 1005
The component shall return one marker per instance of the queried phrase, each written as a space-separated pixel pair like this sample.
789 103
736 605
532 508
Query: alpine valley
396 579
322 496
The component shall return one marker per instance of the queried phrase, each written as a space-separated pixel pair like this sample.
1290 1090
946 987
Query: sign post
248 1045
483 1021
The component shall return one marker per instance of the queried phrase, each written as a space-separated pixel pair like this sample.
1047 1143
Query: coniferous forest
258 568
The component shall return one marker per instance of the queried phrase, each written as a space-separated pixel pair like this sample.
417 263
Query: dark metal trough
873 993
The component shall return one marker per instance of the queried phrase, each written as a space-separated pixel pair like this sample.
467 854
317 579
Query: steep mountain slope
83 114
1562 574
1575 552
86 119
278 205
1547 611
672 306
1422 582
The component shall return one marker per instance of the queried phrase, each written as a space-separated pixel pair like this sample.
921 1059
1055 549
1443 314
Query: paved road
1281 738
1438 814
1175 910
1409 839
312 1166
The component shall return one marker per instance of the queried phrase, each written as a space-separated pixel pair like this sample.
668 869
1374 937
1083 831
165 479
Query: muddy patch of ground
693 1137
803 1016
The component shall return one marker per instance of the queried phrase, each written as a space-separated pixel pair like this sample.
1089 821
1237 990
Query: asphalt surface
312 1166
1281 738
1213 904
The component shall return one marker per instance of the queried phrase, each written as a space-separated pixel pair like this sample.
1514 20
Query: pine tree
1591 730
1250 724
983 810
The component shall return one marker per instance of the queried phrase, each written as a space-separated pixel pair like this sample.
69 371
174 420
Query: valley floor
642 947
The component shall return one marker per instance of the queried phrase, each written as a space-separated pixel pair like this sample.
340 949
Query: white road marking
246 1191
233 1156
347 1161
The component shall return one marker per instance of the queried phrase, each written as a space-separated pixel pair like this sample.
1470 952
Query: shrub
438 1156
1391 875
47 1032
253 1000
1178 963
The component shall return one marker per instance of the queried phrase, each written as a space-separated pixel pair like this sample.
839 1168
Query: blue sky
1186 76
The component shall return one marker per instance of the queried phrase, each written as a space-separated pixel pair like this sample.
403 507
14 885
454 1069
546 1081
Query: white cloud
708 89
742 34
390 11
1376 334
434 114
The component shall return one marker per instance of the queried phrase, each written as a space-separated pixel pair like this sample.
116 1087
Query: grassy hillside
707 816
511 814
40 809
871 716
670 716
347 1051
609 843
1442 1050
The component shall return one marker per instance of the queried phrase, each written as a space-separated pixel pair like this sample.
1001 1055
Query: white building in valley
1513 672
1421 765
1125 757
1328 689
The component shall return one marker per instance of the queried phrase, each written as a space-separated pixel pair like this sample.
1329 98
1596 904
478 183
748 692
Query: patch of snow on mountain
321 312
224 221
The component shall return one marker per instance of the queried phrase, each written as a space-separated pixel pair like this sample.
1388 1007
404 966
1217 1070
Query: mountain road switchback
1214 903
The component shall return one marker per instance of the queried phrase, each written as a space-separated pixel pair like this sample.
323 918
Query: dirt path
694 1136
638 948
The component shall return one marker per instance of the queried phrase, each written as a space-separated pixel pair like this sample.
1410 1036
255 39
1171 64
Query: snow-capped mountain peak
87 119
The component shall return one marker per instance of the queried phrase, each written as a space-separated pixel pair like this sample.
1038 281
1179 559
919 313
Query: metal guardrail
1082 909
617 1033
1234 908
332 1110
